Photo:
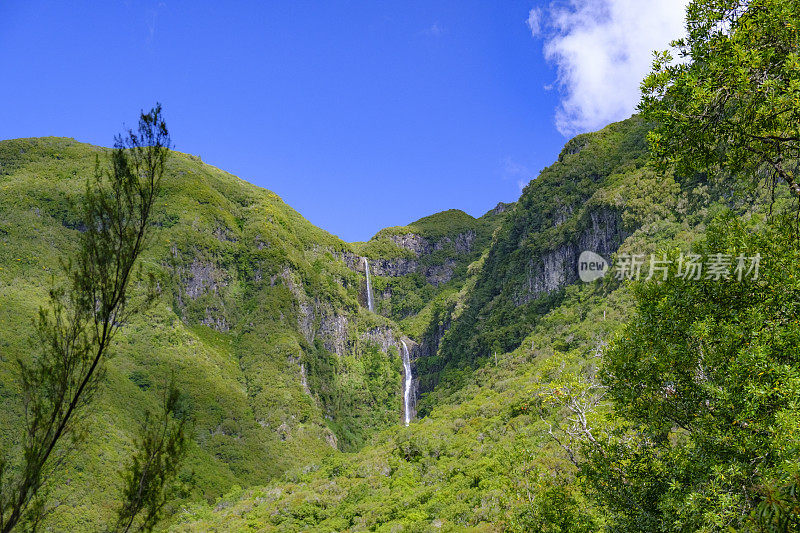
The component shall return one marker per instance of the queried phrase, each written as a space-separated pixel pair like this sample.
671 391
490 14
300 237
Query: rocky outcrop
500 208
393 268
428 347
464 242
333 331
215 319
414 263
196 281
330 438
562 213
557 268
416 244
317 320
351 260
439 274
419 245
201 277
574 146
382 336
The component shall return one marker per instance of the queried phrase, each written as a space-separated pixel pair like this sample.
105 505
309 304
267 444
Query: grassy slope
233 263
482 458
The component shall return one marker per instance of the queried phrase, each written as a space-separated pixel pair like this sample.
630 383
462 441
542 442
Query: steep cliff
413 264
592 198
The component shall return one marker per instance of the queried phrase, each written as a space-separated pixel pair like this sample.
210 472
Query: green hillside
296 388
482 451
501 356
476 463
421 261
256 318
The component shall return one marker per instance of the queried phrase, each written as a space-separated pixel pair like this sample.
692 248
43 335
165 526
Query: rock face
400 266
421 247
201 277
558 267
574 146
414 243
382 336
201 283
333 330
333 327
439 274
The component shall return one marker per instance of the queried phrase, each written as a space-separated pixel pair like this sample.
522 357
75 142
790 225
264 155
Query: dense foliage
482 460
75 330
432 253
546 404
730 105
488 453
549 218
706 377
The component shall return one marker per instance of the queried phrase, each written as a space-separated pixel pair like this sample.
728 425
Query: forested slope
257 319
500 359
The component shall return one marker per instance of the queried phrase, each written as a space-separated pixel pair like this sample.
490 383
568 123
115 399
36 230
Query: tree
732 104
76 331
159 452
706 376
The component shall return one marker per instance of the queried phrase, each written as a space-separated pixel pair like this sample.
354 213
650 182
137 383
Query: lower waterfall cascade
408 380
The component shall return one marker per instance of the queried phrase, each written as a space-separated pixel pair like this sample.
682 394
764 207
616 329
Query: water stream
369 285
408 378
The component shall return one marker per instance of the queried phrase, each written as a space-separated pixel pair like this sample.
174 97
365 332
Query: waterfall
408 377
369 286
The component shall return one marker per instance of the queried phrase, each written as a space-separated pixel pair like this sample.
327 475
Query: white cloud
534 21
602 49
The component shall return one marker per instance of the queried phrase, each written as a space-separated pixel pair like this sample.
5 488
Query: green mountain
296 387
495 354
258 317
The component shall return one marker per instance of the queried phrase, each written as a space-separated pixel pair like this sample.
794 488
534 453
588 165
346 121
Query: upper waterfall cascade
369 285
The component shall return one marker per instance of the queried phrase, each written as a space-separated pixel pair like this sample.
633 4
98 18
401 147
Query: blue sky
360 115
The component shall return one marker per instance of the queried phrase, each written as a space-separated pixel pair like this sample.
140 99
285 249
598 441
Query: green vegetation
434 227
686 421
425 259
546 404
250 302
75 331
552 212
504 443
150 475
485 455
733 109
482 461
706 379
